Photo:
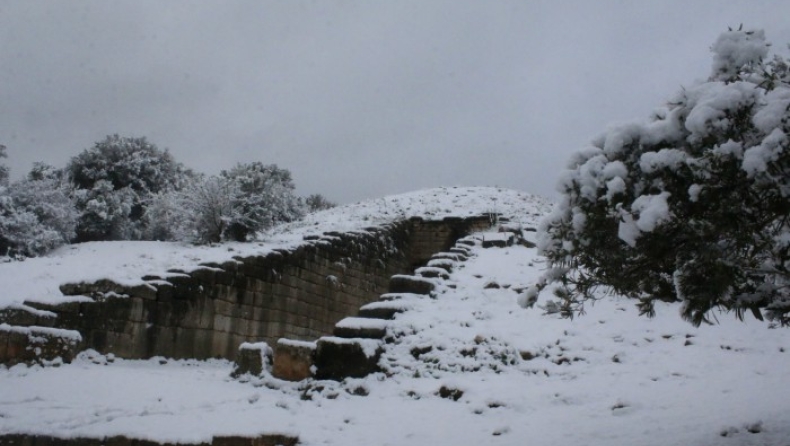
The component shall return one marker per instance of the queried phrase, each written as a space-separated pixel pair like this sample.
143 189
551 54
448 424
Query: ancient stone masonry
298 294
43 440
358 343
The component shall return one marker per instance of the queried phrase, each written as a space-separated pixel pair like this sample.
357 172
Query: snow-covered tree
317 202
113 181
692 205
36 216
264 196
3 168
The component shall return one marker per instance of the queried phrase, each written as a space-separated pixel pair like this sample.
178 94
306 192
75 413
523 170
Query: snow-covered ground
38 279
469 367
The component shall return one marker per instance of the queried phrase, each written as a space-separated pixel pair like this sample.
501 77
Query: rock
498 240
411 284
384 309
339 358
253 359
293 360
361 327
37 345
432 272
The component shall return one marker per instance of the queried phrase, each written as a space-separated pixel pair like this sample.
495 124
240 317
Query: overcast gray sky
358 99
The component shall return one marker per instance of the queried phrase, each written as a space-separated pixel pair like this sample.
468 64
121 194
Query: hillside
469 366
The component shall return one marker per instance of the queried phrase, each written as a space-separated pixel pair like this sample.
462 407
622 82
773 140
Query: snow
735 49
369 346
756 159
294 343
608 377
71 335
652 209
38 279
362 323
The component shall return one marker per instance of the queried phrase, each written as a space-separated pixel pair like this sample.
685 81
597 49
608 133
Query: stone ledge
339 358
45 440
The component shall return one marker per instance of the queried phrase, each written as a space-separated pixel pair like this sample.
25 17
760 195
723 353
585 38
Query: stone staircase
357 342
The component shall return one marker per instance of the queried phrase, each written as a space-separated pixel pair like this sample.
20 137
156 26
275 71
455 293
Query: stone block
338 358
384 309
253 359
360 327
411 284
498 240
432 272
30 345
293 360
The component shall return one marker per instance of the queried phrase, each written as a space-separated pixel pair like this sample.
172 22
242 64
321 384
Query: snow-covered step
400 283
498 240
384 309
361 327
37 345
432 272
339 358
460 249
450 255
401 296
25 315
445 264
293 360
467 241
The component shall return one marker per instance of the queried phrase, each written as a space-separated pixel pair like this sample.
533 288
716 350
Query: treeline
126 188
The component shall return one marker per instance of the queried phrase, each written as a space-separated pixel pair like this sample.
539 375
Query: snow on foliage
234 205
36 216
114 179
688 205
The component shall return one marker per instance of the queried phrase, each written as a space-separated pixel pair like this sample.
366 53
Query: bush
231 206
318 202
263 195
36 216
113 181
693 205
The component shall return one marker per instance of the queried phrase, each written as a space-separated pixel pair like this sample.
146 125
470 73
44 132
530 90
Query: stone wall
43 440
297 294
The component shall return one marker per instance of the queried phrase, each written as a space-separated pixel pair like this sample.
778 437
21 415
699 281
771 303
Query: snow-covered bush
3 168
317 202
693 205
113 181
231 206
263 196
207 208
36 216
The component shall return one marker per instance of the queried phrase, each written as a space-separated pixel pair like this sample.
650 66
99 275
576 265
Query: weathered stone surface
338 358
293 360
400 283
36 345
384 309
207 312
253 359
361 327
44 440
498 240
432 272
449 256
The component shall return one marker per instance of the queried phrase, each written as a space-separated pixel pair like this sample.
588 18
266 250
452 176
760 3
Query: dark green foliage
692 206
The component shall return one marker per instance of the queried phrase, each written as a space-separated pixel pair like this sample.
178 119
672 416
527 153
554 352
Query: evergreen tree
113 181
263 196
693 205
